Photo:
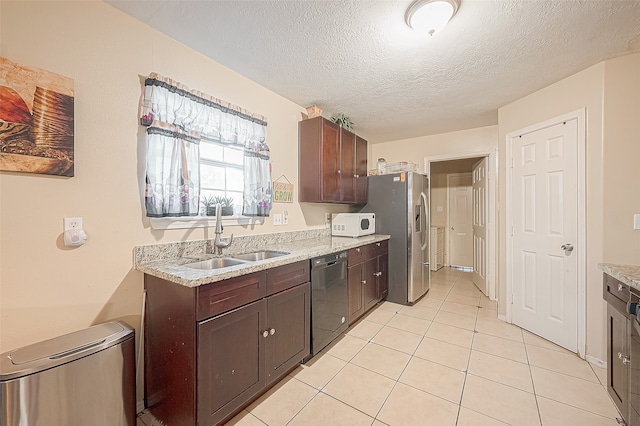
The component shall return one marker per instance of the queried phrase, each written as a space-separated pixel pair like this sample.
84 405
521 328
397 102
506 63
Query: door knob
567 247
452 228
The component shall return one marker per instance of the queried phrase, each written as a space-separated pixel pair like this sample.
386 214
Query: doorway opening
463 215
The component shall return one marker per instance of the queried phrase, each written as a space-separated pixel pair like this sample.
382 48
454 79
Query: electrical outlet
438 208
636 221
277 219
71 223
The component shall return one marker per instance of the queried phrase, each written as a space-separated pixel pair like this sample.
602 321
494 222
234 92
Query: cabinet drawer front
216 298
380 248
287 276
616 293
356 255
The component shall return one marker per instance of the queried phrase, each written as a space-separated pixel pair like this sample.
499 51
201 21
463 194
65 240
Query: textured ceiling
360 58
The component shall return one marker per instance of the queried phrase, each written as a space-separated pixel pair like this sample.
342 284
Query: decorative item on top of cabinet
343 121
210 350
367 277
332 163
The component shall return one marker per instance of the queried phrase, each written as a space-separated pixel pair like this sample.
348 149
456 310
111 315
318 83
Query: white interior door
460 219
544 205
479 185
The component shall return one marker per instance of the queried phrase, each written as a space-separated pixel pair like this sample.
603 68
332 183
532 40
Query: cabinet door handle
377 274
356 176
378 244
339 172
272 331
619 287
625 360
358 250
265 333
363 281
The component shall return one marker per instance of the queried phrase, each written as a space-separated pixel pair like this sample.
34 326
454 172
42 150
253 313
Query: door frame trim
448 228
580 116
492 203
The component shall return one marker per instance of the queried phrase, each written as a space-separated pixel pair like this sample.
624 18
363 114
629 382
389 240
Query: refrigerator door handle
425 234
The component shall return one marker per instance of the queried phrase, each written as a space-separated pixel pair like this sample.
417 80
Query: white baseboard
597 362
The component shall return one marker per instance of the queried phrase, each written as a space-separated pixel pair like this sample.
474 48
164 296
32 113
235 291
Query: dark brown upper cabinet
332 163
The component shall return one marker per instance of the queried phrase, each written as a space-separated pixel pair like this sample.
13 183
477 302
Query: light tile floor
447 360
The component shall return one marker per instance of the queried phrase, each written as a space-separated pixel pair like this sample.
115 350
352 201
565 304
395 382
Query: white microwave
353 224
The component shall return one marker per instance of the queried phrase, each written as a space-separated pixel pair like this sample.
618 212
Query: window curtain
177 118
258 189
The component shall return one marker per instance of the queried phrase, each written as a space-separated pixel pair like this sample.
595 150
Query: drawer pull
624 359
620 287
358 250
378 244
265 333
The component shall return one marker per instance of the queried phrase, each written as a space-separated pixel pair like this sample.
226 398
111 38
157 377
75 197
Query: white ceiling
360 58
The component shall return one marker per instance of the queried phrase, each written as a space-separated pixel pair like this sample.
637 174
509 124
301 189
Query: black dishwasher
329 299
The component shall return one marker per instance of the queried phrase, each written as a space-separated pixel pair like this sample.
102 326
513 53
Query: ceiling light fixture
431 15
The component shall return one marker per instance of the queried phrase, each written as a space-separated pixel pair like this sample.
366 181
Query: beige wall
621 160
416 149
47 289
609 91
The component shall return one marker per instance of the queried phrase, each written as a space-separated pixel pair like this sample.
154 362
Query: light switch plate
636 221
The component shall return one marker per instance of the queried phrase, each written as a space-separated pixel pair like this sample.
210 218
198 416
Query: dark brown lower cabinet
367 276
211 350
231 357
619 326
242 351
383 278
618 370
355 278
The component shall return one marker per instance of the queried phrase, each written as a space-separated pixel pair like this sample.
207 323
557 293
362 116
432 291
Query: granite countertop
628 274
173 269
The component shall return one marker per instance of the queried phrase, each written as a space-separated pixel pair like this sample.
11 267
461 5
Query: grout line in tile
577 408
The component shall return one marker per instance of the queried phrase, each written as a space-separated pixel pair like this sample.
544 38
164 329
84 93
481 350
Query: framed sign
282 191
36 120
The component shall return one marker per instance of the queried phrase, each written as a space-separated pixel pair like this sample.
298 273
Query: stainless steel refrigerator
401 204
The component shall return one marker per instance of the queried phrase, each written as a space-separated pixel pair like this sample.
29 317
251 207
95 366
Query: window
199 146
222 172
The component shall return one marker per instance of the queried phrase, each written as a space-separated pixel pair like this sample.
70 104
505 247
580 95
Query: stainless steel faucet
219 242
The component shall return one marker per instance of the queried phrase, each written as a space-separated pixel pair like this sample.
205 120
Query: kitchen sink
260 255
215 263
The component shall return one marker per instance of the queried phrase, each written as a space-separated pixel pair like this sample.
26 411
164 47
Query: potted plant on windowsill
209 204
227 205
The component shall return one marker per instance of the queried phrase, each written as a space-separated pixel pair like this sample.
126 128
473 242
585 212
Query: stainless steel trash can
82 378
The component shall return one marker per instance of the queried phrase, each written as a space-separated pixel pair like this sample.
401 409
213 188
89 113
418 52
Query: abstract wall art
36 120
